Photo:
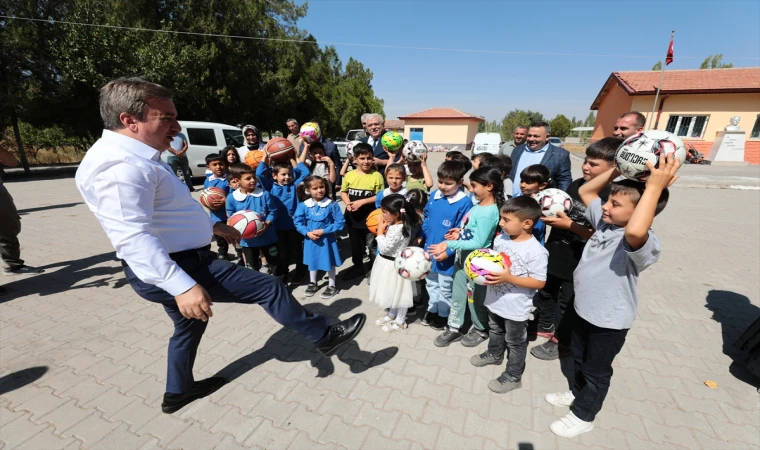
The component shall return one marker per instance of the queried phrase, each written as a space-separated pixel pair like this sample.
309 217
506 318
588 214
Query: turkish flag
669 56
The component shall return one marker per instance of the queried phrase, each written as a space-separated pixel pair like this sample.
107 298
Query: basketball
553 201
280 149
413 264
392 141
253 158
211 195
373 220
634 152
248 223
480 262
310 132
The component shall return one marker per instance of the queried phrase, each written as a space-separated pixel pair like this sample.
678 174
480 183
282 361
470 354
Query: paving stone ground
83 359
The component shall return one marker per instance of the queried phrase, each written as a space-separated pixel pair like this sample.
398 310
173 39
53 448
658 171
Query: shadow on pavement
286 346
44 208
735 314
21 378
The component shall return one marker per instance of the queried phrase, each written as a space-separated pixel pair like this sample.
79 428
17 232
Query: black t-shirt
565 247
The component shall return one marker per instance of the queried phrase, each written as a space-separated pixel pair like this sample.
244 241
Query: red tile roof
441 113
394 124
699 81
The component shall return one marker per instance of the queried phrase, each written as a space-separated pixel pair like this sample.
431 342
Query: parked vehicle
204 138
486 143
352 135
556 141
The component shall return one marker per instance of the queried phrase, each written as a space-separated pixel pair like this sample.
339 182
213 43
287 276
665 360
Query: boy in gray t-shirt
605 285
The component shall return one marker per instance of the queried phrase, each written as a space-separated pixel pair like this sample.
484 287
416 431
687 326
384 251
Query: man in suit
375 131
538 150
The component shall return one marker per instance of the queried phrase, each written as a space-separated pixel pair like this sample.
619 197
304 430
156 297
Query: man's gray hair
128 95
364 117
375 116
291 120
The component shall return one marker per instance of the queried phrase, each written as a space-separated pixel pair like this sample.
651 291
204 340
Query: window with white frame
692 127
755 134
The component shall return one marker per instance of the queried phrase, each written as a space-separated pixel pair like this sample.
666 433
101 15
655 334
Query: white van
486 143
204 138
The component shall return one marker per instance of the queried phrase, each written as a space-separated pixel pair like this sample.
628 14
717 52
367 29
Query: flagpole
659 86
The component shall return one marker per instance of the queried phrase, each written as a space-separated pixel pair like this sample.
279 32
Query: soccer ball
350 148
553 201
392 141
249 223
413 264
310 132
480 262
634 152
413 150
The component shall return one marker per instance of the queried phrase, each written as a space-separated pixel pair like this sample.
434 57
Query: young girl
399 227
230 154
395 174
419 175
318 218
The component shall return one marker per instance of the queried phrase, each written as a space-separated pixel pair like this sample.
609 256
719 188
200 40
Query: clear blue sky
489 84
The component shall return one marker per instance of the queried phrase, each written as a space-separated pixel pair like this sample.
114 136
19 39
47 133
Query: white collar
240 196
212 177
453 199
388 192
322 203
132 145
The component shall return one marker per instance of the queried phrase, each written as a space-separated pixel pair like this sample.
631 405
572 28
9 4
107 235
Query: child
321 166
395 174
398 228
358 192
488 160
446 208
230 155
318 218
281 181
533 179
605 284
252 197
477 231
419 176
218 178
565 245
459 157
418 198
509 298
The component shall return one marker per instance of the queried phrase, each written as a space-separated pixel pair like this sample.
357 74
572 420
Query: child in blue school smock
218 179
318 218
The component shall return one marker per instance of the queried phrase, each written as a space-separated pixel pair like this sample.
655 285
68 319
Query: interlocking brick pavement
101 354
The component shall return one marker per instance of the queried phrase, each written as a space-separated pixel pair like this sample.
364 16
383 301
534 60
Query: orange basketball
211 195
280 149
373 220
253 158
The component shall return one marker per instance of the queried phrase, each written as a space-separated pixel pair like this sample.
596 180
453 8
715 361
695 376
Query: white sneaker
570 426
560 398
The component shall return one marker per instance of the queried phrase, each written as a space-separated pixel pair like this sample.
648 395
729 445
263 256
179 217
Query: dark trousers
225 282
271 253
361 239
552 302
184 165
594 348
10 227
505 334
291 248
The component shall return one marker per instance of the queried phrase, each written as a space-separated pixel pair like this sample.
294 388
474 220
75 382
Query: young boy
605 284
565 245
251 197
217 166
281 182
509 297
419 175
533 179
394 176
358 191
445 210
321 166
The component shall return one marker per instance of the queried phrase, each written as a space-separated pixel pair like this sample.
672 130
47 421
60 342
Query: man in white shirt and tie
163 236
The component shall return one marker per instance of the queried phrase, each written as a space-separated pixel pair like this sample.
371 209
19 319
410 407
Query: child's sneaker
447 338
474 337
570 426
394 326
560 398
384 320
548 351
311 289
504 384
439 323
428 319
329 292
485 359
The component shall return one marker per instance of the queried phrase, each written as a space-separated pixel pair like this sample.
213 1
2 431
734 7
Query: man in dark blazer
375 131
538 150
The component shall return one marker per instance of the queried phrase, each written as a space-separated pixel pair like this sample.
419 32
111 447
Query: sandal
384 320
394 326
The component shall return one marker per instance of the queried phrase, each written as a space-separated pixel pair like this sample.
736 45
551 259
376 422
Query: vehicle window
356 135
202 136
233 137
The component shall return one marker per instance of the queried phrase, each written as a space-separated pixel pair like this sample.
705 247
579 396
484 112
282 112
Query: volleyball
480 262
310 132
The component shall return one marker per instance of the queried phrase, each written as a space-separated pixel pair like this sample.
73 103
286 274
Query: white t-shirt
529 259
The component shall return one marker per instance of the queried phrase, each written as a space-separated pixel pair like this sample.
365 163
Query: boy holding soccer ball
605 284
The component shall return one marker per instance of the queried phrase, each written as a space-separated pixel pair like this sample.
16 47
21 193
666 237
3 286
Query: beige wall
615 103
718 107
443 131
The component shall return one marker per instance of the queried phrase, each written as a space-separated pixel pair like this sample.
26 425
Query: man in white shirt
163 236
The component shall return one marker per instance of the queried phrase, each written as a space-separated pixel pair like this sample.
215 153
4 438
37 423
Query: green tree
715 62
518 117
560 126
657 66
590 120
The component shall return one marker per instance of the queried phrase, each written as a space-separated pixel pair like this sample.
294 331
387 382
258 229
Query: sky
565 50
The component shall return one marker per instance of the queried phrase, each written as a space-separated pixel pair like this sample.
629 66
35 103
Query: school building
693 104
442 126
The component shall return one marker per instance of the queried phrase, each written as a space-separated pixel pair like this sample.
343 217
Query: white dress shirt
145 210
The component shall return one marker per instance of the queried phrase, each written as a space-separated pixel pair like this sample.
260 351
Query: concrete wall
444 131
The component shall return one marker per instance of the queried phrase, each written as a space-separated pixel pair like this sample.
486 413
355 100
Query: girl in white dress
399 227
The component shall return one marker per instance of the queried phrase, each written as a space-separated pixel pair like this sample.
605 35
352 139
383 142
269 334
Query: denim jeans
511 335
181 163
439 290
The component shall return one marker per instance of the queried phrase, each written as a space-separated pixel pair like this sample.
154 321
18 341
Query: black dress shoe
340 333
174 402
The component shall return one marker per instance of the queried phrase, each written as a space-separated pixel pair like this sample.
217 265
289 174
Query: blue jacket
261 202
284 197
556 159
441 215
220 215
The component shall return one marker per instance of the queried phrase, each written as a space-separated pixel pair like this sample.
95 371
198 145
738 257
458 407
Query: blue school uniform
384 192
220 215
325 215
441 215
261 202
284 196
